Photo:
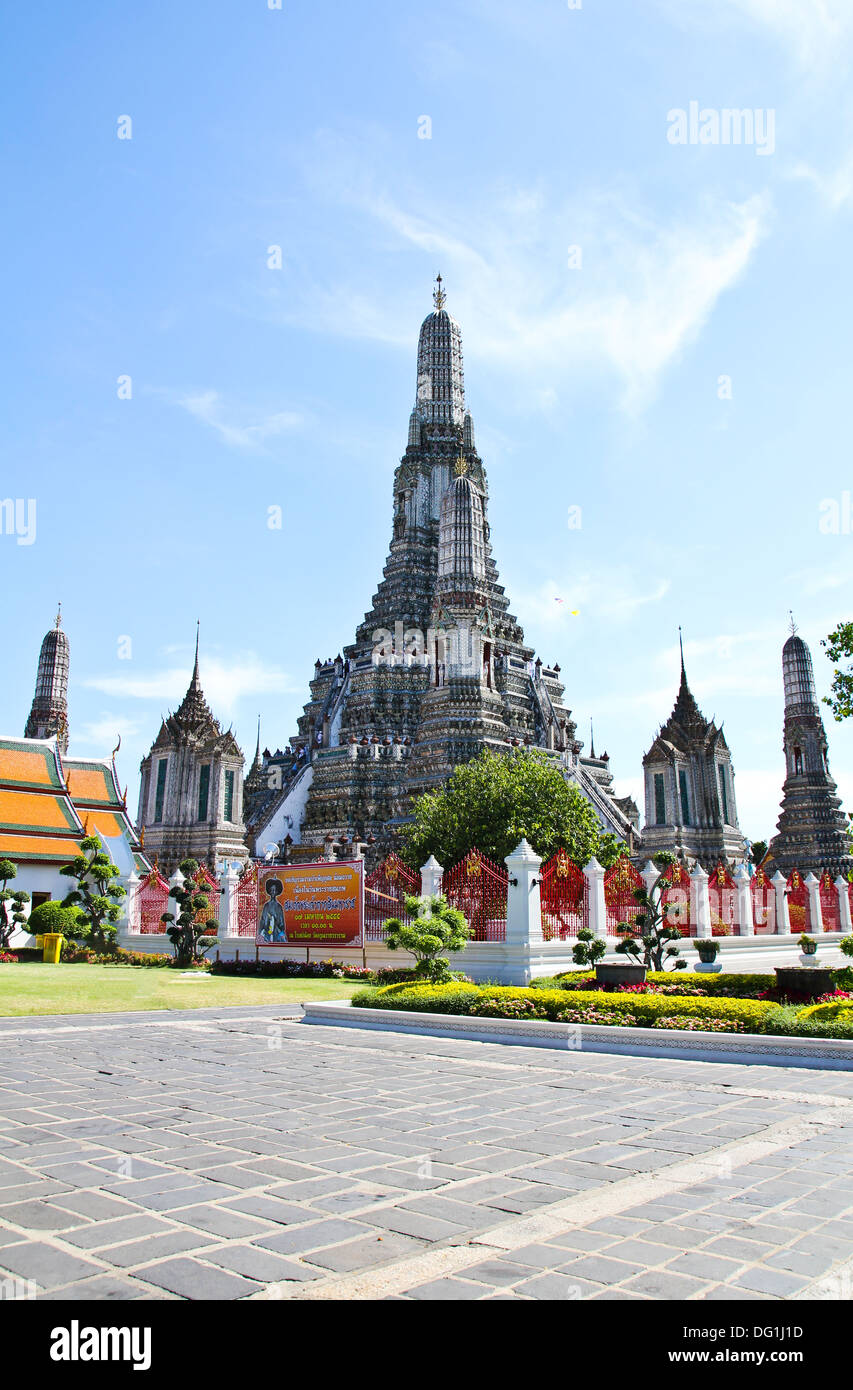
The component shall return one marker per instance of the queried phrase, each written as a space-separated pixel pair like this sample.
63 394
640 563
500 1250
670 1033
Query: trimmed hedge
506 1001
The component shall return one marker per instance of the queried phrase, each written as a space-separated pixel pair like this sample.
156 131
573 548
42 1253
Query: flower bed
292 969
620 1008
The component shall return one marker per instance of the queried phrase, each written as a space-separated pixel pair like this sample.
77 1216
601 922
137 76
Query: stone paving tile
136 1252
191 1279
365 1253
262 1265
46 1264
98 1234
314 1236
446 1290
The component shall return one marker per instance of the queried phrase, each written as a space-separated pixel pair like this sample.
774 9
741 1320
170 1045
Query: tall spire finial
438 295
197 630
591 740
793 624
681 649
59 614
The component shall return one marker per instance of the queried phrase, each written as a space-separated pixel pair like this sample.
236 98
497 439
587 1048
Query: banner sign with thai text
311 904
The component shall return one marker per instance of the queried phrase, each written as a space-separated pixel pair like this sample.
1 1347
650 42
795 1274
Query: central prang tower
439 668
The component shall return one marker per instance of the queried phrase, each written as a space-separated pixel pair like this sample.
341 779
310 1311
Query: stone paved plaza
218 1155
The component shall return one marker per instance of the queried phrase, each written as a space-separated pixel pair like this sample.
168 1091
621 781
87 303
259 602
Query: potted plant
707 950
808 951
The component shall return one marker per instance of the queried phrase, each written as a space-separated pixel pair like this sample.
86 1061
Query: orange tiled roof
33 766
104 821
36 811
90 782
38 847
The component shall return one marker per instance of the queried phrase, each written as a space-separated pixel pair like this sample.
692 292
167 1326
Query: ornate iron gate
675 899
208 885
619 883
763 904
247 901
799 911
564 895
385 891
830 909
478 888
722 892
153 902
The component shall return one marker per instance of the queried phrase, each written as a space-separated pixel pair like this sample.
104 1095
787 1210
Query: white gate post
700 902
783 919
744 900
431 877
228 880
816 911
523 907
650 876
131 912
841 887
594 874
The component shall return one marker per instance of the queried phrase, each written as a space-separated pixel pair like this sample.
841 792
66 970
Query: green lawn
35 988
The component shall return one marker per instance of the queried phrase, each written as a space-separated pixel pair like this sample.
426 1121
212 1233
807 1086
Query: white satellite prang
271 852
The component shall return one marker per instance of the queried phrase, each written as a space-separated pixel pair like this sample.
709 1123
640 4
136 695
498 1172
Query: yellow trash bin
40 943
52 947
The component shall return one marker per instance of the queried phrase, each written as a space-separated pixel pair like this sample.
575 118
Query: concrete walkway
211 1154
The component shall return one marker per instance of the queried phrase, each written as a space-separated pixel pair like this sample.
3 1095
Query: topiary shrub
53 917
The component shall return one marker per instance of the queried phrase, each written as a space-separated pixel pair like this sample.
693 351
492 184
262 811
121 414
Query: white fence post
131 912
431 877
744 900
594 874
783 918
523 906
816 911
228 880
700 902
842 887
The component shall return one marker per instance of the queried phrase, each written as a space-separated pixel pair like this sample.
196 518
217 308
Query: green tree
657 936
12 901
435 927
588 948
97 896
189 936
839 647
498 799
758 851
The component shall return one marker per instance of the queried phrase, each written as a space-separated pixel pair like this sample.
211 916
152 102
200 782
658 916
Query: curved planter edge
749 1048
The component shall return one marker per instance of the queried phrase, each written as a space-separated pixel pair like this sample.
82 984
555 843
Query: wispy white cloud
615 594
207 406
835 188
224 683
644 290
812 31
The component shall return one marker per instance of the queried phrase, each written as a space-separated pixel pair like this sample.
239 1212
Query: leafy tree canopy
433 928
97 896
839 647
498 799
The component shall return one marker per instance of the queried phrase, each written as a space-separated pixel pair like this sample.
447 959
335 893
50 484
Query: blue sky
595 386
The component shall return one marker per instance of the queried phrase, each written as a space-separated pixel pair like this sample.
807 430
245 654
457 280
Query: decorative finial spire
591 740
438 295
197 630
793 624
460 467
59 614
681 649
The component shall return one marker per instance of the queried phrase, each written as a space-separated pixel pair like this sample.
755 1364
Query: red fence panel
722 892
799 911
478 888
247 901
619 883
675 899
153 901
763 904
385 891
830 908
564 895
